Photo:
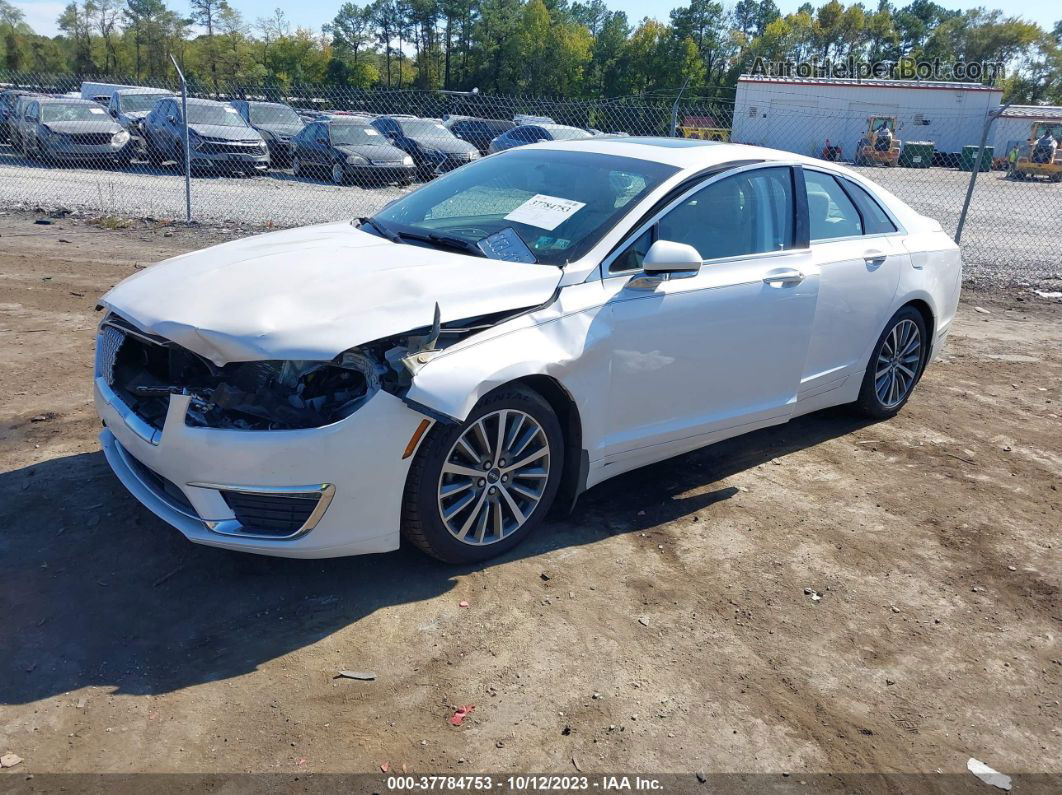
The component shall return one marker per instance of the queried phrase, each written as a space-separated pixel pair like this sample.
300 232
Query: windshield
136 103
567 133
559 204
274 114
58 111
424 128
353 134
221 115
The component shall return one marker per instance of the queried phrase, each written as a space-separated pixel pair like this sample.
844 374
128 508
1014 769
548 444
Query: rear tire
895 366
464 464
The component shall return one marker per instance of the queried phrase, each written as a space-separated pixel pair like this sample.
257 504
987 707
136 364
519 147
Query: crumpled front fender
565 341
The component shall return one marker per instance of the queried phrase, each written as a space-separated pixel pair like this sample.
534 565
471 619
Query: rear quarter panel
935 276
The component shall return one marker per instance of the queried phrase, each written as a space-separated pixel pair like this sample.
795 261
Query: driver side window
747 213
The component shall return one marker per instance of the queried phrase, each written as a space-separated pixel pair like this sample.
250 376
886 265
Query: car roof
681 152
198 101
693 155
144 90
68 101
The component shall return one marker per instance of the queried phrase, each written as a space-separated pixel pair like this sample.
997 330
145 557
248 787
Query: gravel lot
1012 235
664 626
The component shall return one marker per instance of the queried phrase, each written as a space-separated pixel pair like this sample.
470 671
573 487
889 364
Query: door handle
874 258
783 276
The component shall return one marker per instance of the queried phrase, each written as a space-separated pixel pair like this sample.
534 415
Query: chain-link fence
321 153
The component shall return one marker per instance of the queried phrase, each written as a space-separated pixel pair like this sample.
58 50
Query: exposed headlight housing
356 160
474 155
407 161
120 138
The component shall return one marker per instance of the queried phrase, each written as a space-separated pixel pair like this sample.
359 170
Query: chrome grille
108 343
91 139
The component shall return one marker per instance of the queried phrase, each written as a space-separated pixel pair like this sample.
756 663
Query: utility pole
187 152
992 116
674 108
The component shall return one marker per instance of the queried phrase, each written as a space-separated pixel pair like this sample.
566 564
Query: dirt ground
662 627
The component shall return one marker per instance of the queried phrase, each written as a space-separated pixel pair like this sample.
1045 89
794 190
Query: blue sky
41 14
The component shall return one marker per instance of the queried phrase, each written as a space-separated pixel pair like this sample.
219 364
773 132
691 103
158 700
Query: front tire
895 366
478 489
339 174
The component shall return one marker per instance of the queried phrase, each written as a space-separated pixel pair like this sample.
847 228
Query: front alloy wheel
494 477
339 175
895 366
477 489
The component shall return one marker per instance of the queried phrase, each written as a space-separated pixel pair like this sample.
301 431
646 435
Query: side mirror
667 256
171 119
666 260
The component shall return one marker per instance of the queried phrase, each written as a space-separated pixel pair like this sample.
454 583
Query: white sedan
504 338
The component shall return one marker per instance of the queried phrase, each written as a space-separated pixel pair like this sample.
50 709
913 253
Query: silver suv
218 137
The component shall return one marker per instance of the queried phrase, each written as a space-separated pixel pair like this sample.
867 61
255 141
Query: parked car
130 106
534 133
347 148
15 115
65 130
434 149
478 132
219 139
8 101
506 337
275 122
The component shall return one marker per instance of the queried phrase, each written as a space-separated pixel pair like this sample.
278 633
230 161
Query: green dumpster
969 156
917 154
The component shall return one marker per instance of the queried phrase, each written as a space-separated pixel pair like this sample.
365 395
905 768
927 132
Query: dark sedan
61 130
349 149
533 133
434 149
8 100
275 122
478 132
219 139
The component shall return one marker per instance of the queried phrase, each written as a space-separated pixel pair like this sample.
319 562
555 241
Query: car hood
225 132
448 146
284 130
372 151
311 293
71 127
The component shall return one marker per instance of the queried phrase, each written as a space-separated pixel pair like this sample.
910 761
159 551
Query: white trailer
101 92
800 114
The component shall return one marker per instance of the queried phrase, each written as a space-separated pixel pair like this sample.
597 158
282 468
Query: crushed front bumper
187 476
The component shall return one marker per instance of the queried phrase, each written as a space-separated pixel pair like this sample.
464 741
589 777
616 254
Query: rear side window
875 220
830 212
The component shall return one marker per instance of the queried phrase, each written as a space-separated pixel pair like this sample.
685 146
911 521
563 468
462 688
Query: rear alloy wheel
478 489
895 366
339 174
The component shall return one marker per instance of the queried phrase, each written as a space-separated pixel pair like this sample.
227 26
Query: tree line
561 48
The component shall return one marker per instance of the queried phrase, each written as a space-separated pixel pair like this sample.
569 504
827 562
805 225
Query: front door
720 352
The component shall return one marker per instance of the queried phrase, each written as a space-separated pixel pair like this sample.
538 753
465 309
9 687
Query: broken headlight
284 395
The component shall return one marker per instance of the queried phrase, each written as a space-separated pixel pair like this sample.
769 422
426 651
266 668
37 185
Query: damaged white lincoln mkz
507 336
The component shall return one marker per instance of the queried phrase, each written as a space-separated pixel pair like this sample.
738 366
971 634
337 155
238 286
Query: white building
799 114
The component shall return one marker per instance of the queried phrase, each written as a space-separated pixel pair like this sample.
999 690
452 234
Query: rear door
857 247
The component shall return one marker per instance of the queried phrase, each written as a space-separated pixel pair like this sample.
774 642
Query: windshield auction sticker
545 212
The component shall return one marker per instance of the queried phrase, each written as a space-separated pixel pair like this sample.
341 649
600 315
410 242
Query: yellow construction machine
871 151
